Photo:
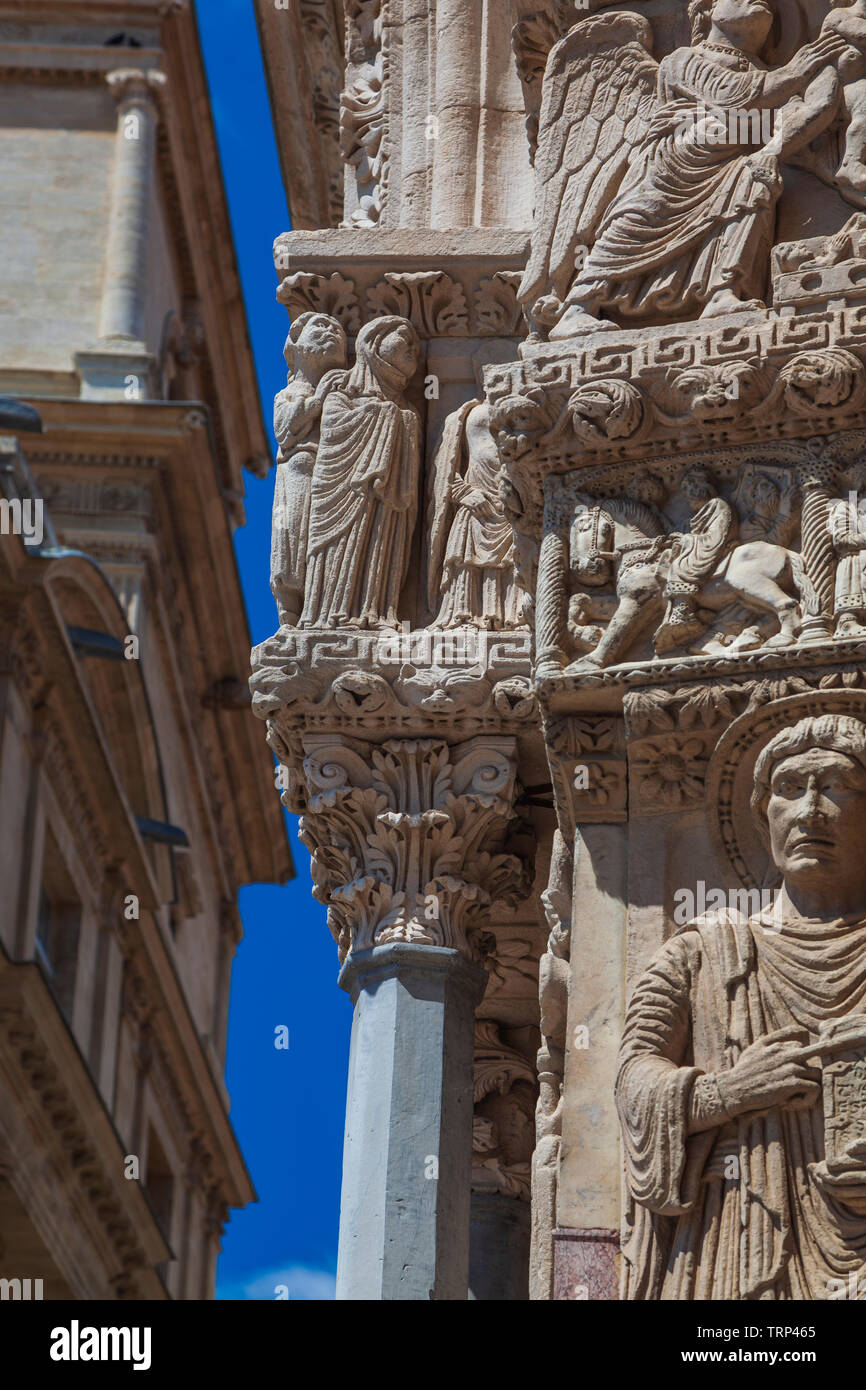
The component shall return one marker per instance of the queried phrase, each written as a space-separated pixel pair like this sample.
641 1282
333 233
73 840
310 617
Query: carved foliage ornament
407 838
435 303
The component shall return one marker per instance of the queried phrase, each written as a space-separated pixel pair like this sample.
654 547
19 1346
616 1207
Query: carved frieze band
703 564
437 304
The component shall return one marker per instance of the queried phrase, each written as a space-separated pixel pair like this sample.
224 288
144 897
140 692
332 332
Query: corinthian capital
408 838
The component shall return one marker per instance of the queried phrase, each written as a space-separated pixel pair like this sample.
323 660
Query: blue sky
287 1106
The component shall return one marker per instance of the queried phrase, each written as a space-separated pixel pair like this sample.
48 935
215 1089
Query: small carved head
592 538
646 488
697 486
516 422
744 23
316 336
763 495
388 348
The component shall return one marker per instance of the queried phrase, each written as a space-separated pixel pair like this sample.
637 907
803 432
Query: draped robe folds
713 531
478 573
363 510
698 1227
296 420
689 218
847 531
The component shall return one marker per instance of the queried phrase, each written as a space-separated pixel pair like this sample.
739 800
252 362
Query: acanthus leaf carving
431 300
408 839
496 306
304 292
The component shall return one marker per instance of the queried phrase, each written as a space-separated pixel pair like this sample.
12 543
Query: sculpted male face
763 493
816 815
744 23
322 338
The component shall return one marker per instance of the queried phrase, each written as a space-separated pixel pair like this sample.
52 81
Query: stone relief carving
311 678
683 487
332 294
364 497
431 300
532 38
497 310
553 978
471 565
408 838
723 387
847 526
435 302
326 66
315 353
504 1094
657 182
744 1146
364 111
691 567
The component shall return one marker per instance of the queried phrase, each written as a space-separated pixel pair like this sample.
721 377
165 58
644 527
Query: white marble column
121 315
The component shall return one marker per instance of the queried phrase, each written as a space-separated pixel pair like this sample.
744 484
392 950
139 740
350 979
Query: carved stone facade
620 453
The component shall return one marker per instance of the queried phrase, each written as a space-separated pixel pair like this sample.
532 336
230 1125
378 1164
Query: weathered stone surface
639 477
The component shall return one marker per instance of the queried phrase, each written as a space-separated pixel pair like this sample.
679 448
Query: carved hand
773 1071
812 57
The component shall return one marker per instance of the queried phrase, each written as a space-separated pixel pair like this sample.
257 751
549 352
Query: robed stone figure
364 500
471 574
719 1086
315 354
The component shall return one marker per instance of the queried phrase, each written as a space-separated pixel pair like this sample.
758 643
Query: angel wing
598 95
447 463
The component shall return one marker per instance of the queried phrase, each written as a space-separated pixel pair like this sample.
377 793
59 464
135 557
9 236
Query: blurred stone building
571 528
136 795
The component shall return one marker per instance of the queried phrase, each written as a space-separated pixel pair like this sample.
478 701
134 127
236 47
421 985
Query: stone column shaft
407 1159
123 294
551 604
816 482
458 46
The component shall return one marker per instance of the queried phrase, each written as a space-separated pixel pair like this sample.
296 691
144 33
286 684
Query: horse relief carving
725 578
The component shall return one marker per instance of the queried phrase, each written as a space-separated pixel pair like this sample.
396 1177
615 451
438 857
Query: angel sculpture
655 185
471 572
